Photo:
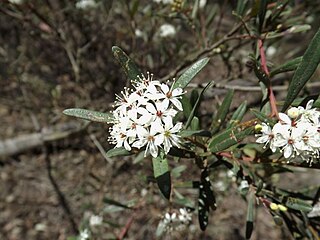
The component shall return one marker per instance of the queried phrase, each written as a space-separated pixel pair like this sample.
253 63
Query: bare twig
63 202
29 141
101 149
202 53
248 88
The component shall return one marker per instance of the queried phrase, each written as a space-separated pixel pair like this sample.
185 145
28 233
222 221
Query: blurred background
56 54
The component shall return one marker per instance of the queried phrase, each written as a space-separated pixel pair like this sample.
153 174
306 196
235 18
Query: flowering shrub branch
159 119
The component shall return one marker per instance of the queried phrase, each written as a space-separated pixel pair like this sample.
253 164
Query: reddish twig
272 99
126 228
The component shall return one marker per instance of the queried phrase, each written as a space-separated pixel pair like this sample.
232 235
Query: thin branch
63 202
202 53
248 88
101 149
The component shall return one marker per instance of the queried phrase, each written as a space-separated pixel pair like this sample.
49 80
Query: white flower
296 134
95 220
169 137
84 234
122 137
266 136
161 111
172 95
271 51
16 1
170 218
309 113
288 140
143 117
293 112
150 139
202 3
167 30
184 216
85 4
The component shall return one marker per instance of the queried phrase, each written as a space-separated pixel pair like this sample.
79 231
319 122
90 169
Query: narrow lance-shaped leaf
89 115
190 73
298 204
222 112
241 6
206 199
162 174
129 67
115 203
113 152
286 67
250 215
238 115
305 70
229 138
262 13
196 105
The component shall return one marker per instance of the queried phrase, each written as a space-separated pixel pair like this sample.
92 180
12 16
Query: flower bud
258 128
282 208
293 112
274 206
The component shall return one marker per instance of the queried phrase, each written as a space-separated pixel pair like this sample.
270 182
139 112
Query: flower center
290 141
150 138
169 94
122 135
159 113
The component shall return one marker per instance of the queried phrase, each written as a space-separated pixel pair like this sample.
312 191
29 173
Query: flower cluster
176 220
297 133
143 117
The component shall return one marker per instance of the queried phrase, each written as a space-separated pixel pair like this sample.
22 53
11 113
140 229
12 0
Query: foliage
223 138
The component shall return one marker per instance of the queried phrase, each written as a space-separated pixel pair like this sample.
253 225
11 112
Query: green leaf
238 115
222 112
286 67
162 174
262 117
121 151
262 13
241 6
250 215
115 203
129 67
190 73
305 70
196 105
206 199
186 105
89 115
176 172
188 133
298 204
229 138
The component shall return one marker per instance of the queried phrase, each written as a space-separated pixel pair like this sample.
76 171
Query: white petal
177 92
285 118
164 88
140 143
127 146
158 140
177 103
156 127
176 128
153 149
262 139
309 104
151 108
287 151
